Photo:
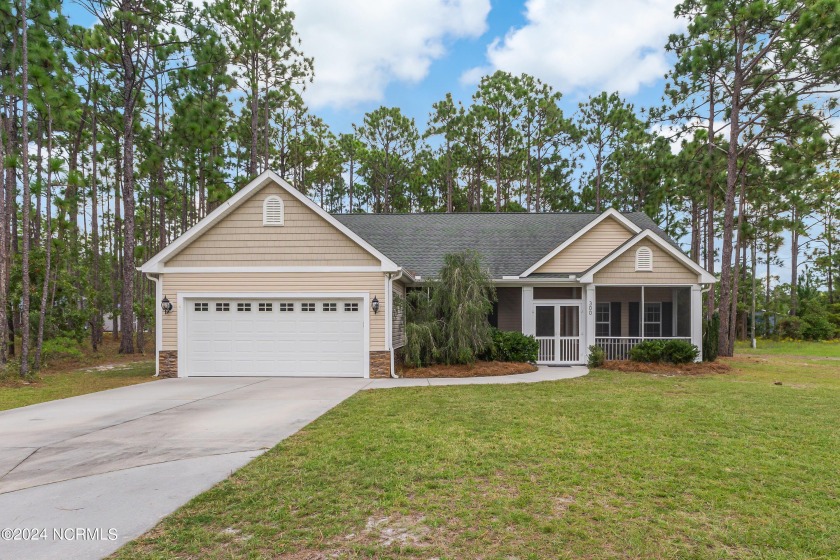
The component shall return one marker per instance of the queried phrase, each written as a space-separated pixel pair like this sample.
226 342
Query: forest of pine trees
118 137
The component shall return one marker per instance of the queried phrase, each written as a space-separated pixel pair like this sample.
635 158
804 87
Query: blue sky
410 53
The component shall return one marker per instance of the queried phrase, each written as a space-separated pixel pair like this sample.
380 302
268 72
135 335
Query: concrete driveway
124 458
115 462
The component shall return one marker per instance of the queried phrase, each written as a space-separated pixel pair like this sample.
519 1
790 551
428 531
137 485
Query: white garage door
276 337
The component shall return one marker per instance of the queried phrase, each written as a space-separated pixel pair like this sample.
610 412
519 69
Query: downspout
158 321
390 319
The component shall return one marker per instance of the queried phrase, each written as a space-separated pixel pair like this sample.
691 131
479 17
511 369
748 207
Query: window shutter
615 318
634 318
667 318
273 211
644 259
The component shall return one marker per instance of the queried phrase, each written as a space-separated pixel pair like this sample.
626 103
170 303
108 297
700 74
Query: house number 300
590 308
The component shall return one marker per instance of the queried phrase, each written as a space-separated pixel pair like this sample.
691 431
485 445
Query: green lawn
610 465
59 385
824 349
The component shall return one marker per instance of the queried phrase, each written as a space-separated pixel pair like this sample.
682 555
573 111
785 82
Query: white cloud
614 45
361 47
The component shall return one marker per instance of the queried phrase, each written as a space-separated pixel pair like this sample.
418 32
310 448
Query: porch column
588 330
696 319
528 320
642 315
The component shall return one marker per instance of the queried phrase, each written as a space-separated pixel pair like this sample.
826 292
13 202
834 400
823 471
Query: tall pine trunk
45 289
96 281
27 199
728 292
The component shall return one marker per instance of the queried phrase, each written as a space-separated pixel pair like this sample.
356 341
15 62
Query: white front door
298 336
558 332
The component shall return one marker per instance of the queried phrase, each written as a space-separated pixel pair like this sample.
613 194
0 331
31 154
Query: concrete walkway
123 459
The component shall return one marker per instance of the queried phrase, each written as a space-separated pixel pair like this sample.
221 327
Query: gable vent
273 211
644 259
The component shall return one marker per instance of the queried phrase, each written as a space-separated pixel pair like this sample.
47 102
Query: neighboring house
271 284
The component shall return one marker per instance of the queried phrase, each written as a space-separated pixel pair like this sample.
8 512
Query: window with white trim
308 307
351 307
330 307
243 307
273 211
653 319
602 319
202 307
286 307
222 307
265 307
644 259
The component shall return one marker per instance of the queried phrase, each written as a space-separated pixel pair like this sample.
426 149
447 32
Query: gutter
390 319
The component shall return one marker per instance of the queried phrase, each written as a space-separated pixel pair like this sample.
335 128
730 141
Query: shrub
679 352
597 357
60 347
462 298
710 338
513 346
790 327
817 327
672 351
647 351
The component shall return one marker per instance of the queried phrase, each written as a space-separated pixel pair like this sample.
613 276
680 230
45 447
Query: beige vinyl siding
625 295
666 269
370 282
590 248
241 239
398 320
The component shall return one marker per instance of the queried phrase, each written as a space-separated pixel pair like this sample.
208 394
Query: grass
70 376
612 465
824 349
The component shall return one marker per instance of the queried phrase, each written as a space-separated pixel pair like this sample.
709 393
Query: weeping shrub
422 330
447 322
462 297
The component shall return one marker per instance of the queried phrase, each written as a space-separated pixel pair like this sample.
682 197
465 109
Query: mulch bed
703 368
478 369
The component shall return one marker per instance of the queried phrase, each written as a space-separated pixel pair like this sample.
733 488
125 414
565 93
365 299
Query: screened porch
624 316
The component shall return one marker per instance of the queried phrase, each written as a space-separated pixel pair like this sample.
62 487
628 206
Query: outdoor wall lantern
375 305
166 305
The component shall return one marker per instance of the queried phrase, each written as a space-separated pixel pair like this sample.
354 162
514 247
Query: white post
588 320
642 315
696 321
528 320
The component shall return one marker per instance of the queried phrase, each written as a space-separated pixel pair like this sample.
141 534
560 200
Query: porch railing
618 347
559 349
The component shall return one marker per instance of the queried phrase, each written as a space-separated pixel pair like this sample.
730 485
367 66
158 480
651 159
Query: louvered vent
273 211
644 259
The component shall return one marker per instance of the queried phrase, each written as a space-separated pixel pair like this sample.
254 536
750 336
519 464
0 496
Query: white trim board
608 213
182 315
266 177
705 277
251 269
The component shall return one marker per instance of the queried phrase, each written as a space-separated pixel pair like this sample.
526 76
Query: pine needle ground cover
611 465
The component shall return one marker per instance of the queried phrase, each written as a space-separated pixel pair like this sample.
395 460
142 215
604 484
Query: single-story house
271 284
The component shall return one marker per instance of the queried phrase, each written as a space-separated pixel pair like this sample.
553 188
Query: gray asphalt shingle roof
508 243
